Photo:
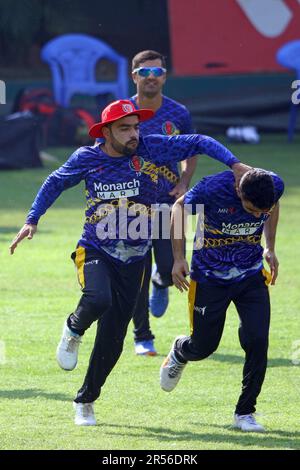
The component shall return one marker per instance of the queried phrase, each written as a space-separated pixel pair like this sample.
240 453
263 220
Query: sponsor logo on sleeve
226 210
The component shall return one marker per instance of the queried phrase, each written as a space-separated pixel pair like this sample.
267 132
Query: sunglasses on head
146 71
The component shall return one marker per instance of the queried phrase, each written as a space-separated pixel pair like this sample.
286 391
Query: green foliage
38 290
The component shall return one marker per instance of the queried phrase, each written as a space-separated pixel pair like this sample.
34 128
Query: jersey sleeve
187 127
67 176
180 147
278 186
195 196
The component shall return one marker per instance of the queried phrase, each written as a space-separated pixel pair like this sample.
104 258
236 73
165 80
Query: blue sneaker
159 301
145 348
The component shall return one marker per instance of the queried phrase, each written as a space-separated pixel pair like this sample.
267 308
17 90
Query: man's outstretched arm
184 146
68 175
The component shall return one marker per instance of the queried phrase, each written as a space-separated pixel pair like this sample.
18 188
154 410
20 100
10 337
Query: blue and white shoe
158 301
171 369
247 423
145 348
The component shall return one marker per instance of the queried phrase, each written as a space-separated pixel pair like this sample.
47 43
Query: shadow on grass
24 394
147 357
279 432
274 439
15 230
234 359
9 230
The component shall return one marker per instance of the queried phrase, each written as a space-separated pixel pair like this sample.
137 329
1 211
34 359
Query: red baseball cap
118 110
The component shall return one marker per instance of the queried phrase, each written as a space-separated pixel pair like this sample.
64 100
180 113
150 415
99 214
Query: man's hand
179 190
28 230
179 272
239 169
272 261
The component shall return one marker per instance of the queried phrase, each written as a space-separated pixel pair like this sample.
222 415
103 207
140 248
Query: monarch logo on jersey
136 163
117 190
127 108
169 128
246 228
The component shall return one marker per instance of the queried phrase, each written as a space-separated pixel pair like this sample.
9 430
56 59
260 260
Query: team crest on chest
169 128
136 163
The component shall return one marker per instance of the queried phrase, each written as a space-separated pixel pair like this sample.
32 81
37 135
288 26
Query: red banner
230 36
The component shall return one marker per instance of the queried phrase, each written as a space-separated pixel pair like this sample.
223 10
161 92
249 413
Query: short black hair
257 187
143 56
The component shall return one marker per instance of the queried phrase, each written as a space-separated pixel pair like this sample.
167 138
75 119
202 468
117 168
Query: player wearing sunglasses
147 71
171 118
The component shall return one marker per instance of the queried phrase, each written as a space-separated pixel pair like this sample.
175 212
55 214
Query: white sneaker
145 348
247 423
171 370
67 350
84 414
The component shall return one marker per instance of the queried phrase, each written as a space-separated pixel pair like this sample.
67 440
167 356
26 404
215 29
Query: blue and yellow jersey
230 248
172 118
117 187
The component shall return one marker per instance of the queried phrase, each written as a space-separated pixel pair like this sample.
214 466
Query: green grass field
39 288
